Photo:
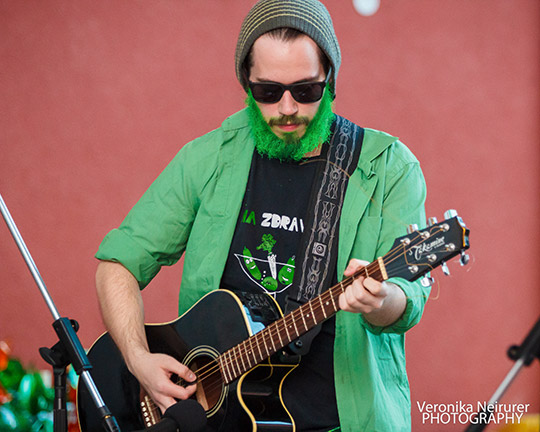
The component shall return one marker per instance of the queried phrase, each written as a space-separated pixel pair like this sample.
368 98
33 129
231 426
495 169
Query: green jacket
193 207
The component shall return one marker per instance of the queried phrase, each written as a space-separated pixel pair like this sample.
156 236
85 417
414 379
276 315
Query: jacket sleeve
156 230
403 204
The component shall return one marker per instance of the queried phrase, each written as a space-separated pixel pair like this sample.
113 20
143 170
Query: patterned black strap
318 247
317 255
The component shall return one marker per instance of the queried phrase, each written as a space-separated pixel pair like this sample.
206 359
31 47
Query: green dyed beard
290 147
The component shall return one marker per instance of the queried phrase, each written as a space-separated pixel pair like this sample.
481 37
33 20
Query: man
284 198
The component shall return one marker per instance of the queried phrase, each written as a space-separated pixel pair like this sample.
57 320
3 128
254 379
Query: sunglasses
272 92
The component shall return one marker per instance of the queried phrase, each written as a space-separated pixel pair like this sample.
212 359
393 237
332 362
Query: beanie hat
307 16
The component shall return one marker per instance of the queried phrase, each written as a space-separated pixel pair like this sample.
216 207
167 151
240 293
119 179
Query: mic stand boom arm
67 350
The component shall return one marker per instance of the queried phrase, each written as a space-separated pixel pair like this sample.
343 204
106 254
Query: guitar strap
317 254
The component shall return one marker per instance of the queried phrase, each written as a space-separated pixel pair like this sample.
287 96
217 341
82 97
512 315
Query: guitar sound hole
210 387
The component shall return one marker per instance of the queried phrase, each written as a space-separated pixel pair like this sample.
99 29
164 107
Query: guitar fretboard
244 356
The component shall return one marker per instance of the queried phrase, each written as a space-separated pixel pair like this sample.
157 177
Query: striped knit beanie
308 16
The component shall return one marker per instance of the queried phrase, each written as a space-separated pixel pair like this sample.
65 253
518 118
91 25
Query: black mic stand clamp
58 358
67 350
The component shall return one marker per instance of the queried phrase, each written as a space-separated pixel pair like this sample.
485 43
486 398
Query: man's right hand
154 371
123 314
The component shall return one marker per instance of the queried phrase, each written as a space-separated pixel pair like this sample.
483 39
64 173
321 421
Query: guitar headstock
420 251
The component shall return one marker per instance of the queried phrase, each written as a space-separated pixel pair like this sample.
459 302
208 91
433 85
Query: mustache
287 120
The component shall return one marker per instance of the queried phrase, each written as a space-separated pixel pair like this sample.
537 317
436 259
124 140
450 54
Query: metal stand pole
67 350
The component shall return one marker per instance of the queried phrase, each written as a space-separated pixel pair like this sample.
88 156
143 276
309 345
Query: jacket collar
375 142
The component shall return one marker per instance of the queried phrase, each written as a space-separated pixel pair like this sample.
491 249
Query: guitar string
244 351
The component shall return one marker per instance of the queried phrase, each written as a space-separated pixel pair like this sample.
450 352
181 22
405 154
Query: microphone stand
523 355
68 350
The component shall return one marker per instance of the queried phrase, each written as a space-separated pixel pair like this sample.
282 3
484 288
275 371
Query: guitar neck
244 356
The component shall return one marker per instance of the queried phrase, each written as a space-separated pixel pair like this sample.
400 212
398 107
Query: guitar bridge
149 411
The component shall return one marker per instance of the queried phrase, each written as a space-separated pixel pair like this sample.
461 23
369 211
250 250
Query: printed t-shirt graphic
269 227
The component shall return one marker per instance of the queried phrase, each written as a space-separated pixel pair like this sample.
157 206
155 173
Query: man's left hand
381 303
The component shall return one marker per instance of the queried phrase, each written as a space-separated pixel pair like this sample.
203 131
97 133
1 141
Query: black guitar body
218 322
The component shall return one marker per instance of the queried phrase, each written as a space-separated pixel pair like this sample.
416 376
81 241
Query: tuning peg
445 268
427 281
432 221
464 259
449 214
412 228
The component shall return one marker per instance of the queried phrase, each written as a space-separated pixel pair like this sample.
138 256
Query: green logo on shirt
249 218
277 281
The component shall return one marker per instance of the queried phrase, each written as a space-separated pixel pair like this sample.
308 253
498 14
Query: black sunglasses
272 92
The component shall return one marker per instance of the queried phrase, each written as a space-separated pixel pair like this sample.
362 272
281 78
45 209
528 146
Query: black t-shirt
262 259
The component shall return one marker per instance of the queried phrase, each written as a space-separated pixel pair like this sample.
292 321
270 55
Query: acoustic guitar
235 343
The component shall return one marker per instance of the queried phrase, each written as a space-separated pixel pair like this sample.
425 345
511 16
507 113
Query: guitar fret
279 336
231 363
271 337
313 313
242 359
247 346
327 304
235 357
247 353
303 319
322 307
252 352
266 346
248 358
228 364
286 330
294 322
235 367
227 369
333 302
259 347
341 285
230 367
237 364
222 369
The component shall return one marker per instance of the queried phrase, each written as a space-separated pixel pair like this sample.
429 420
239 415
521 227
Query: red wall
96 98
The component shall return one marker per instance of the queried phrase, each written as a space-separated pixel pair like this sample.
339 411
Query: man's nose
287 104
